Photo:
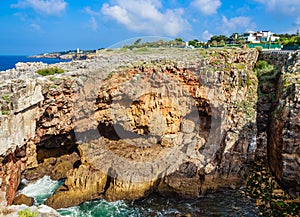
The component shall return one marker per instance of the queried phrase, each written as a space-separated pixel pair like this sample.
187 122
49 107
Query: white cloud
207 7
147 16
206 35
47 7
22 16
35 27
89 11
287 7
236 24
93 24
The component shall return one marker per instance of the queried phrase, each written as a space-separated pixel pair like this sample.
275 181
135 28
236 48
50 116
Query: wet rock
127 190
23 199
82 184
184 183
55 167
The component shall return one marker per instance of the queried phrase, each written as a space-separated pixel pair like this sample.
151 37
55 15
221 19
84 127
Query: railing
278 51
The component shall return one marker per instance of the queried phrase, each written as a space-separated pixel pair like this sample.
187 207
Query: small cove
228 203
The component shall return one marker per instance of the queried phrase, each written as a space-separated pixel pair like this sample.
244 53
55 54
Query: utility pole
297 33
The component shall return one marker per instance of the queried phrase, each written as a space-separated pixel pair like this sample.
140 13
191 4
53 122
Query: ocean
229 203
9 61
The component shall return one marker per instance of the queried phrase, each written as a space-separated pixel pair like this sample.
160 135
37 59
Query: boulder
55 167
23 199
82 184
184 183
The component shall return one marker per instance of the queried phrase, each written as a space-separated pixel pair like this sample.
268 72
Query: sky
41 26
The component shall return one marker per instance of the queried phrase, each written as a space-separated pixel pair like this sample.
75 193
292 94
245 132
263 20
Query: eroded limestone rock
82 184
178 127
152 115
284 134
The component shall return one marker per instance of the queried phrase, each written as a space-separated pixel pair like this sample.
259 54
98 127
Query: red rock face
11 174
53 117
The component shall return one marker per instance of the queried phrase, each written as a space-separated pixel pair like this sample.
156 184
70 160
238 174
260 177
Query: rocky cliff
180 125
284 143
126 124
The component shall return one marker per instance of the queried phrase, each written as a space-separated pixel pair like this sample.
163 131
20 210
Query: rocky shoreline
122 125
270 197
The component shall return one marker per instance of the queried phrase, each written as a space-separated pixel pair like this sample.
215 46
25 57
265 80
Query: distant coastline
9 61
67 55
59 56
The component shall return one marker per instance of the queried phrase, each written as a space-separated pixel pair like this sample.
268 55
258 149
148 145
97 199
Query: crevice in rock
56 146
219 154
266 92
108 180
117 132
55 156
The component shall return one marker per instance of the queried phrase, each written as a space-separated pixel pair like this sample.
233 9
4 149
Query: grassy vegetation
54 79
247 108
6 98
27 213
53 86
5 112
269 197
141 50
50 71
265 71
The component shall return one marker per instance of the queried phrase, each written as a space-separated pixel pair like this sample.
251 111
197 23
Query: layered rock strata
126 124
179 127
284 137
267 87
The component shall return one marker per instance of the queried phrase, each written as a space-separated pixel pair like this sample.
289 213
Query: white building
261 36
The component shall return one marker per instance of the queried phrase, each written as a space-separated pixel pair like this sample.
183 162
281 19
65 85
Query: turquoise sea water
229 203
8 62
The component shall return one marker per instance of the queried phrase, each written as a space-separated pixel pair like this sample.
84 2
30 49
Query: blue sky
38 26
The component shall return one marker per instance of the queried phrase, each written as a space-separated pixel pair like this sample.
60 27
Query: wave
229 203
41 189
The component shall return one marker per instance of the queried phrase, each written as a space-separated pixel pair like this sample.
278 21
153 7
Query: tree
178 40
218 38
194 42
214 43
137 41
222 43
241 40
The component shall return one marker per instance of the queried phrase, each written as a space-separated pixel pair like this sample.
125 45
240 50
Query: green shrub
261 64
50 71
259 48
5 112
6 98
53 86
27 213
